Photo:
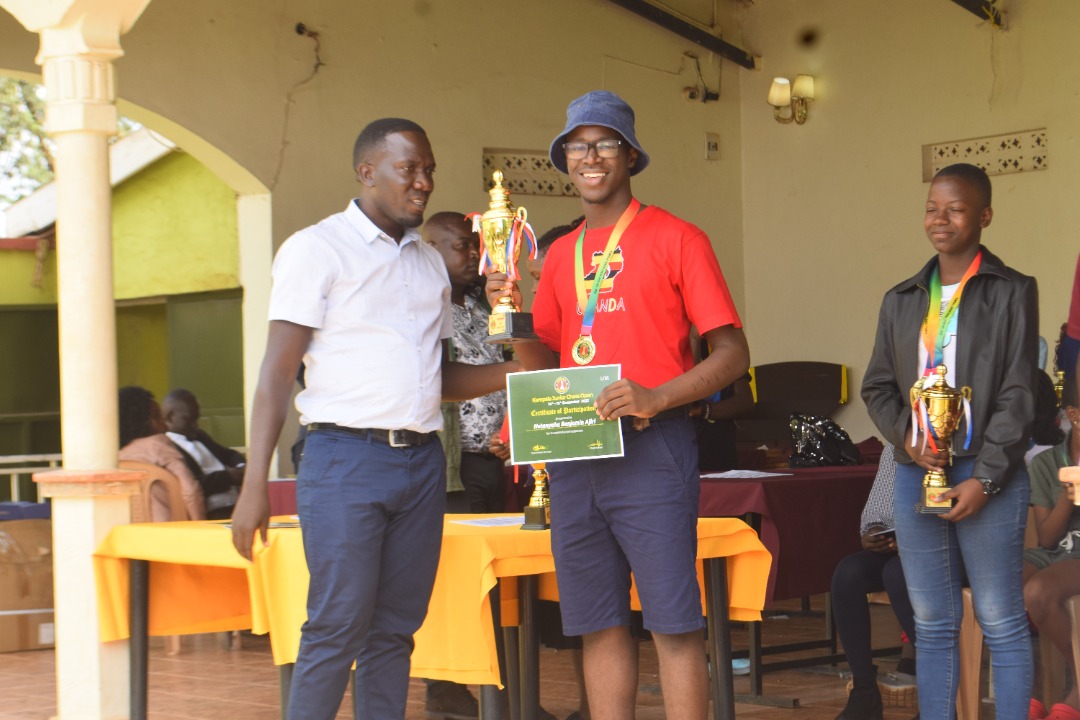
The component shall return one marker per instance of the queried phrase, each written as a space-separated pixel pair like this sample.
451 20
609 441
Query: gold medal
584 350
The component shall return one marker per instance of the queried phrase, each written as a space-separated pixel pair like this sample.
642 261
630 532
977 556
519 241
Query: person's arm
465 382
1006 434
729 359
285 347
739 404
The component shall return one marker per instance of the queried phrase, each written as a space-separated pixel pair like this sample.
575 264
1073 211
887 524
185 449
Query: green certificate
552 417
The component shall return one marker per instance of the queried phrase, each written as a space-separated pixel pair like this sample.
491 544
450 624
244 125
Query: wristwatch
990 488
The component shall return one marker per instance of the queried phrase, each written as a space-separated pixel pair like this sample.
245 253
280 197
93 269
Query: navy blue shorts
635 513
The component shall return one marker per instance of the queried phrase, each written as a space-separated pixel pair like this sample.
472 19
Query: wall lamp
784 94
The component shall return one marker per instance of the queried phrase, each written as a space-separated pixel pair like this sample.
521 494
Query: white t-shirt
379 309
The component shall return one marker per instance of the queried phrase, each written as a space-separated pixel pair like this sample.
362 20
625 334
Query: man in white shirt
219 470
365 305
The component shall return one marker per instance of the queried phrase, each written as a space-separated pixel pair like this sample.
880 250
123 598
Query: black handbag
818 442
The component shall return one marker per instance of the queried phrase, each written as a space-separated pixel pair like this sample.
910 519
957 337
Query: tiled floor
208 682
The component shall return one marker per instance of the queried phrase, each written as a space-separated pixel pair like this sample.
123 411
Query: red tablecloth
809 520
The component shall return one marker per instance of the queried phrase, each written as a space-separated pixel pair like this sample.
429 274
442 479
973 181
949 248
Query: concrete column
80 39
93 678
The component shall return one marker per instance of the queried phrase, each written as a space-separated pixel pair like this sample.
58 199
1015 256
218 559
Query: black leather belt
640 423
393 438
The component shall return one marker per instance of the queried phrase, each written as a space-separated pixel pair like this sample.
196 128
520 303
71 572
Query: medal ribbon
936 323
588 308
934 329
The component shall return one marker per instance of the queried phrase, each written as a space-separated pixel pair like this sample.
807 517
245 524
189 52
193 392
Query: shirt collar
369 231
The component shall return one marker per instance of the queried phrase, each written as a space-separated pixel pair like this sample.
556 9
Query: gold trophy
1059 385
538 511
502 230
944 408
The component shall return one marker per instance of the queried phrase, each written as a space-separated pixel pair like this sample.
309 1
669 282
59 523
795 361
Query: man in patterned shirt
482 473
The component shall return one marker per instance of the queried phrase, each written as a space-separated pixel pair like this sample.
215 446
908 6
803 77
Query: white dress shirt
379 310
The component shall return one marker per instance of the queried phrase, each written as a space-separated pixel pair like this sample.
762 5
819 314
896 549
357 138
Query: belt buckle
398 439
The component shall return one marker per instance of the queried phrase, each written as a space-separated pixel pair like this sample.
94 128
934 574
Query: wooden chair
159 499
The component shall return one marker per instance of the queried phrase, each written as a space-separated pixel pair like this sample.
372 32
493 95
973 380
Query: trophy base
537 518
927 506
510 328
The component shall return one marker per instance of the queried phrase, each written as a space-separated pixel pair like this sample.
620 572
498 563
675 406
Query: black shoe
864 703
455 702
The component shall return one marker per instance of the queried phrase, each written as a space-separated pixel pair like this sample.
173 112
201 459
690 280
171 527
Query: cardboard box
26 585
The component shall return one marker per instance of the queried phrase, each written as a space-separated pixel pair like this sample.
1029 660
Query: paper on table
745 474
493 521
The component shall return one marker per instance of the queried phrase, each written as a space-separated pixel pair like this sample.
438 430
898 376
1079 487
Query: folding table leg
529 648
716 601
139 643
285 687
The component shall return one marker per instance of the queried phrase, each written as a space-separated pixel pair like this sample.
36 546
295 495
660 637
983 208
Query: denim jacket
997 345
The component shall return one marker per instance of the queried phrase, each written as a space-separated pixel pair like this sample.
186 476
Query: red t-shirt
662 277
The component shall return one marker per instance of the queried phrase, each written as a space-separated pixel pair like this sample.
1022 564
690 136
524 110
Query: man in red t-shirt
647 277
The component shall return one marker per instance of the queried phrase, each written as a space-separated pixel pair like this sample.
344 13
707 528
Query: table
809 521
182 560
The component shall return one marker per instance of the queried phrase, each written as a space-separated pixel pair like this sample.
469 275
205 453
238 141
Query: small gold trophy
502 230
1059 385
538 511
943 412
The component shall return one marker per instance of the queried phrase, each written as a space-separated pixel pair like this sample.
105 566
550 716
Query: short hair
180 395
545 241
374 135
973 175
134 413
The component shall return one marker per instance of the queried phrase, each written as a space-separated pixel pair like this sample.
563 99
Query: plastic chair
159 499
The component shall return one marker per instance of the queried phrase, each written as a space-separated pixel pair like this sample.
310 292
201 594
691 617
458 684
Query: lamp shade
780 92
803 87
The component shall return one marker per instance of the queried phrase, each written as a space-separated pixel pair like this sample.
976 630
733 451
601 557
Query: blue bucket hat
604 108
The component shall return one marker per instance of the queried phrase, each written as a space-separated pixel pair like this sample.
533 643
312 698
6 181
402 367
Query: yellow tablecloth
198 583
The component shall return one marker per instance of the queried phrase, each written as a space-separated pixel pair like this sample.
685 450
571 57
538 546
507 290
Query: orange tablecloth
199 584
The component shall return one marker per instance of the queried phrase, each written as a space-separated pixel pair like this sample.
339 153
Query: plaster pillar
80 39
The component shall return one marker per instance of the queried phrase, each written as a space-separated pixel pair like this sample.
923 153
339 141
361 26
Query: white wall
833 208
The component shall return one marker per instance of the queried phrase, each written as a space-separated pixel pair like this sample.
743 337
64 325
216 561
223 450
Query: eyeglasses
580 150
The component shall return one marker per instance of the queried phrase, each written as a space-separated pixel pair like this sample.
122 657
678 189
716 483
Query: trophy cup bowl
538 511
944 408
507 323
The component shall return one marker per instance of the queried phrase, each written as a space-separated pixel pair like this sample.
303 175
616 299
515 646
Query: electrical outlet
712 146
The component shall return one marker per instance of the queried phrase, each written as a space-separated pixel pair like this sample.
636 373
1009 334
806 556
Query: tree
26 152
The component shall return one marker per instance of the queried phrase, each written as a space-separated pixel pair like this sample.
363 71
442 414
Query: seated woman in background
873 569
143 439
1051 573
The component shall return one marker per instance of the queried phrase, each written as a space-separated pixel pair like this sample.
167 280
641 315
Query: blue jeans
372 525
935 553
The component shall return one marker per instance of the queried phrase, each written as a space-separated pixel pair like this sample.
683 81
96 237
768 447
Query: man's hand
878 543
498 448
498 286
969 497
251 514
626 397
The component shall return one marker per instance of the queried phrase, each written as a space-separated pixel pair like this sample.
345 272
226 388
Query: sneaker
897 689
453 703
740 666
